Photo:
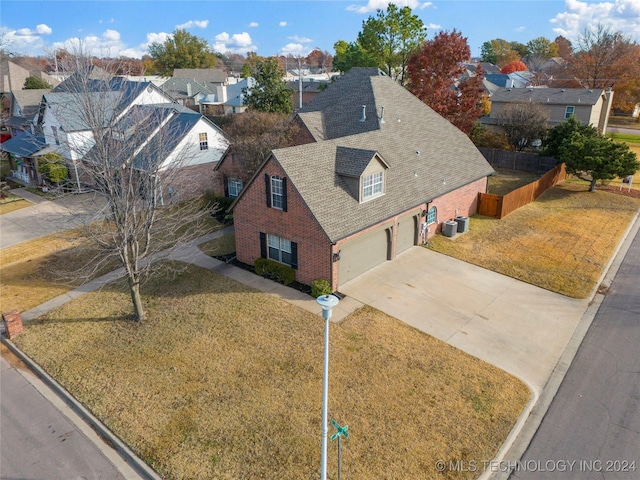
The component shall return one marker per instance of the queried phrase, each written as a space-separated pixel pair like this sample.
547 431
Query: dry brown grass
26 279
13 203
224 245
224 382
560 242
505 181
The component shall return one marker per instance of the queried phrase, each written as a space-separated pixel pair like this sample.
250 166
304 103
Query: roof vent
363 118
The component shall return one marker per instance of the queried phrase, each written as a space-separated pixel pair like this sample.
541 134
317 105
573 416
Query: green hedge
320 287
276 271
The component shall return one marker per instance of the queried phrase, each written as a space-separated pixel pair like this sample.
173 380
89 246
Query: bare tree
137 157
254 134
523 123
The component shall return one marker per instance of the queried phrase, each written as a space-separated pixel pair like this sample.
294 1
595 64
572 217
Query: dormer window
372 186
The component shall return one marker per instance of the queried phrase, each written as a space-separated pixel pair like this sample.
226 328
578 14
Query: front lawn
560 242
11 203
225 382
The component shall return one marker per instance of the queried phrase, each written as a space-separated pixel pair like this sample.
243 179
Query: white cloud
283 24
253 25
193 23
43 29
618 15
373 5
434 26
294 49
111 35
298 39
236 43
520 28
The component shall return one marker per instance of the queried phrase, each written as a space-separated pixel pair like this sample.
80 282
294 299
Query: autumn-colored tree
482 137
565 49
539 50
436 75
500 52
254 134
604 59
515 66
320 60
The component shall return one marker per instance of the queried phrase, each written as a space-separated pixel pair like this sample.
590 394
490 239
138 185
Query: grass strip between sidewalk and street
225 382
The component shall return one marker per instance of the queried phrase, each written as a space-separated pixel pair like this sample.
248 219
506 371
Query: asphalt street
592 428
38 440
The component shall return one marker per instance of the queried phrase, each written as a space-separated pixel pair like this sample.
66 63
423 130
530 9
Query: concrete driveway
518 327
45 217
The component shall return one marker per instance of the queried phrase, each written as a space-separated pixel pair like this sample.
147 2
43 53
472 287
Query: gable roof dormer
357 167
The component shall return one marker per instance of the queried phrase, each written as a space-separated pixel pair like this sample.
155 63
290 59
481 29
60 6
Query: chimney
189 92
364 113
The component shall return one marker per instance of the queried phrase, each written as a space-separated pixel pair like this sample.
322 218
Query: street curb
513 451
123 451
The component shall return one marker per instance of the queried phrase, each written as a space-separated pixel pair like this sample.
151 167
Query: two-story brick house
382 173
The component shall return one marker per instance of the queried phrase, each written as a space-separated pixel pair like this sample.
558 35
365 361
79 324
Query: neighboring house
177 139
63 117
22 143
25 106
62 126
383 171
590 106
204 76
209 99
310 89
13 76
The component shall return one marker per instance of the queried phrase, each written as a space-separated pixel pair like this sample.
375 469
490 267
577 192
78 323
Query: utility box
463 224
449 228
12 323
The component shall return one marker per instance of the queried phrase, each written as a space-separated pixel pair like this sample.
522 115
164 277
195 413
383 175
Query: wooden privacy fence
524 162
500 206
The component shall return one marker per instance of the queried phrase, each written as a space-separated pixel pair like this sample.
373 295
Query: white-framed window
204 143
372 185
277 193
569 111
432 215
235 187
279 249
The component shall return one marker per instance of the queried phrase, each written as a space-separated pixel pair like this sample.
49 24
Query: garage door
406 234
363 253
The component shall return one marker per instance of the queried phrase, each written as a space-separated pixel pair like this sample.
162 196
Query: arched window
432 215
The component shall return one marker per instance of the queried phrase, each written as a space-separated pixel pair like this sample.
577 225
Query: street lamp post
327 302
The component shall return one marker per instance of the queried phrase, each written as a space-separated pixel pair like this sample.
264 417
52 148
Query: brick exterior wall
190 182
251 216
463 202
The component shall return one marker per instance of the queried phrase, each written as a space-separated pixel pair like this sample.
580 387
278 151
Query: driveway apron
518 327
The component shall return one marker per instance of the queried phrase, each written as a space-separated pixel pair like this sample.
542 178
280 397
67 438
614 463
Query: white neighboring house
63 116
173 139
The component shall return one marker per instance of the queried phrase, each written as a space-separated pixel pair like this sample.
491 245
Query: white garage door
363 253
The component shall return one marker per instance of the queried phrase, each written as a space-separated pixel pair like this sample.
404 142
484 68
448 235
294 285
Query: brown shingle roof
427 155
562 96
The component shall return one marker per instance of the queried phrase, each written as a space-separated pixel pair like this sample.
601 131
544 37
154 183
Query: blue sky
271 27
